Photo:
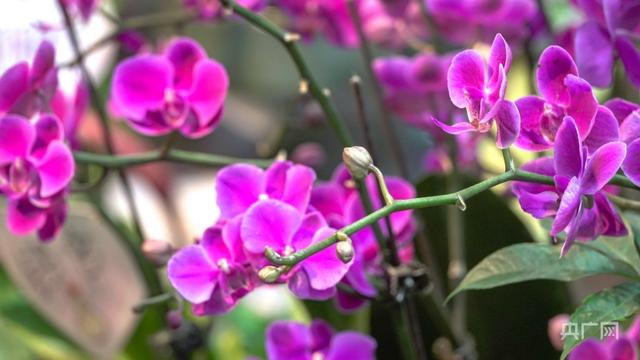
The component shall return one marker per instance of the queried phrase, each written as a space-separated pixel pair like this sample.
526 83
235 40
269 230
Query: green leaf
609 305
523 262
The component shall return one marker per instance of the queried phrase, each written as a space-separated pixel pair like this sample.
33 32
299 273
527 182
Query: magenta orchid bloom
624 347
339 203
563 94
27 89
481 92
70 109
181 90
214 273
208 9
280 226
608 33
289 340
576 202
239 186
35 169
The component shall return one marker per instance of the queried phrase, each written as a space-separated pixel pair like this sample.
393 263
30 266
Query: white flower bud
358 161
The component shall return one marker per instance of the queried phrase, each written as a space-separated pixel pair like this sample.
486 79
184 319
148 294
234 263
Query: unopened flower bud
157 252
358 161
174 319
269 274
345 251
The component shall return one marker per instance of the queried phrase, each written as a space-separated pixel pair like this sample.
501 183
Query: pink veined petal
507 120
630 58
269 223
209 89
329 199
630 128
43 61
530 138
612 223
589 349
465 77
275 178
48 128
299 183
139 84
583 104
621 108
17 136
192 273
13 84
214 245
594 54
56 169
631 165
324 268
184 54
602 166
311 223
22 217
238 186
455 129
622 349
604 130
350 345
300 286
541 205
554 65
568 157
500 55
568 208
287 340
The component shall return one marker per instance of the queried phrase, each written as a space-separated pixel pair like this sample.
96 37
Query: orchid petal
567 150
465 76
192 273
531 109
455 129
184 54
602 166
554 65
350 345
594 54
583 104
22 217
630 128
17 136
631 165
56 169
209 89
238 186
630 58
139 84
508 123
604 130
324 268
269 223
568 208
13 84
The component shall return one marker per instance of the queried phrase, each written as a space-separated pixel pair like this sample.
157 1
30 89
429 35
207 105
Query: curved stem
172 155
290 44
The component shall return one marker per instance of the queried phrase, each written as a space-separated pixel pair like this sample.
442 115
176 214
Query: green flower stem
290 44
410 204
508 160
172 155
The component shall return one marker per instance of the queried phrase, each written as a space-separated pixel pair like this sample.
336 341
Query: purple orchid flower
239 186
576 202
289 340
339 203
407 82
35 169
27 89
209 9
624 347
481 92
563 94
179 90
280 226
214 273
469 21
70 109
608 33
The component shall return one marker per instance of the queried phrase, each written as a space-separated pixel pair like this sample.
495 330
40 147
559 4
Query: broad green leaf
523 262
495 317
609 305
